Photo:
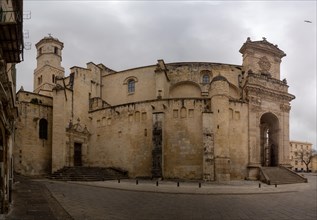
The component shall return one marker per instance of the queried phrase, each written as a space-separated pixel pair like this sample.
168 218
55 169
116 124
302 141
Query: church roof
50 39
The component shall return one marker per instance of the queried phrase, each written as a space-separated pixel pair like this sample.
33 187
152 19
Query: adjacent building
301 154
11 52
187 120
314 163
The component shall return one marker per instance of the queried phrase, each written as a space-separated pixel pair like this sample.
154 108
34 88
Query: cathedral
187 120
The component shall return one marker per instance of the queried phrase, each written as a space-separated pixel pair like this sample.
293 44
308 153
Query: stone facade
314 163
11 52
33 155
190 120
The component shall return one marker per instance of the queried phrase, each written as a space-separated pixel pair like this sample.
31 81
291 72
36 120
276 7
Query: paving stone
32 201
95 202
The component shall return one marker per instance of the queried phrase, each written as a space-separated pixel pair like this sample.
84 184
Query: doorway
157 139
77 154
269 140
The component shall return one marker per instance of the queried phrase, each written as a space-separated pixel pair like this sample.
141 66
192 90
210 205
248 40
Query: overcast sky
129 34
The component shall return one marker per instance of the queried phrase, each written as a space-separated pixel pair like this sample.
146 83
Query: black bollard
199 184
275 185
118 180
156 183
259 185
177 184
136 182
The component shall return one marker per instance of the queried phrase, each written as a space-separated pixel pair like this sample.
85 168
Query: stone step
88 174
280 175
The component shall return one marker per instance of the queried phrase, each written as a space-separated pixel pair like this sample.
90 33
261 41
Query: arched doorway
269 139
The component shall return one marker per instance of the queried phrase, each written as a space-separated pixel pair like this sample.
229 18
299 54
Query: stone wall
32 153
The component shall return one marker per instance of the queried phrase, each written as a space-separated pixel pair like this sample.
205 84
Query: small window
39 80
53 78
206 79
131 86
56 50
40 50
43 129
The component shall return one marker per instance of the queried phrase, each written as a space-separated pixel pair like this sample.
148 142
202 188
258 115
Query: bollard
275 185
177 184
136 182
118 180
156 183
259 185
199 184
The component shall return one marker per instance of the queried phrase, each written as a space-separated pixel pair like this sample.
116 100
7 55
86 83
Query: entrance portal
77 154
157 145
269 140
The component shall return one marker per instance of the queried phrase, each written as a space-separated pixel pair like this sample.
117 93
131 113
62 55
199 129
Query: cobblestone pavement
91 202
145 200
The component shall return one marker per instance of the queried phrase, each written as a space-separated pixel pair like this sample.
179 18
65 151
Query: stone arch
205 76
185 89
130 83
126 80
269 134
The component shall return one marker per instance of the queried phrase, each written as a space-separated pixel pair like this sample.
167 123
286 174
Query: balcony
11 35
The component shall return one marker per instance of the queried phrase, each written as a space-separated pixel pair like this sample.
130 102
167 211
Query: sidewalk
195 187
33 201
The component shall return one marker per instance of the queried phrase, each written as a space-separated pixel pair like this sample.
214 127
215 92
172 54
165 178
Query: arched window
206 79
43 129
131 86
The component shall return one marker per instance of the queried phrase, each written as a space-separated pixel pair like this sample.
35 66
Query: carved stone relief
285 107
264 64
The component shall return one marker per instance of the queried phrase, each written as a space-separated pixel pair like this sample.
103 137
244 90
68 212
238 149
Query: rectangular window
143 116
175 113
109 121
191 113
43 129
137 116
131 86
130 118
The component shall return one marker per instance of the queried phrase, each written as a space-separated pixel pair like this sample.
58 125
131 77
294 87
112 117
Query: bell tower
49 58
262 57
